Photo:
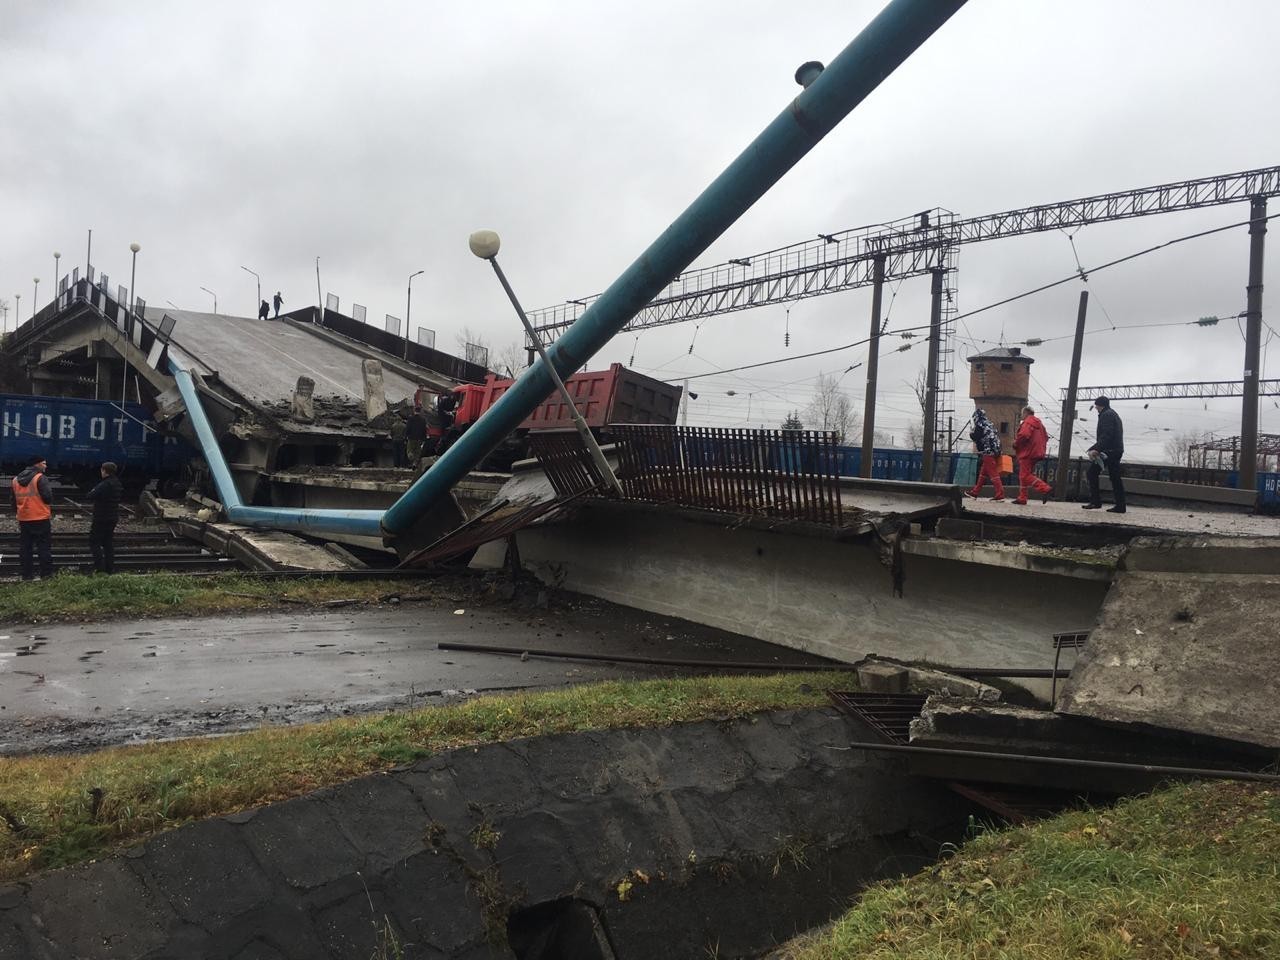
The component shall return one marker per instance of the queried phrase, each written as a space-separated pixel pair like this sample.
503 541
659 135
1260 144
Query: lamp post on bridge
35 296
215 299
128 327
57 272
258 303
408 298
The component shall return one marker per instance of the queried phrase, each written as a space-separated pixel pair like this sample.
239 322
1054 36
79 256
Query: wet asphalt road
79 686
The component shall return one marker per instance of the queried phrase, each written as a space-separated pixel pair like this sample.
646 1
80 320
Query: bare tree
469 336
831 409
915 430
510 359
1177 449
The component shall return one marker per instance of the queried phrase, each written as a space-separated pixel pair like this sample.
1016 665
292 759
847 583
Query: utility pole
1069 403
1248 470
319 295
931 383
873 365
684 407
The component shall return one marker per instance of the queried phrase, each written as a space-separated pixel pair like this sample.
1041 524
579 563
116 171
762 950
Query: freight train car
76 436
603 397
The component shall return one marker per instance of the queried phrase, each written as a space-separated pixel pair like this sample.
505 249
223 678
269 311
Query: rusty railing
792 474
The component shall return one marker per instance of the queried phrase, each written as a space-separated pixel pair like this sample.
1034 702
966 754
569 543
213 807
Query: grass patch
1191 871
57 810
74 596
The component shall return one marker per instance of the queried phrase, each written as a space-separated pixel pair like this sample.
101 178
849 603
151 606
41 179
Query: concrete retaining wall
821 596
732 836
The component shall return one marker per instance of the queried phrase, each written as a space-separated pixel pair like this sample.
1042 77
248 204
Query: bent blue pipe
365 523
875 53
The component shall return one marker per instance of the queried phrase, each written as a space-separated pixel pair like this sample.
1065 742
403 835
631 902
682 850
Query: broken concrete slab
375 398
1081 564
1197 554
1187 652
303 406
918 679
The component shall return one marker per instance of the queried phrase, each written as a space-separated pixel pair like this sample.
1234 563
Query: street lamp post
17 310
215 299
408 298
128 326
35 296
57 272
258 303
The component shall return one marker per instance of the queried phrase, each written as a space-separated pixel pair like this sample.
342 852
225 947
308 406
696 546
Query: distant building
1000 383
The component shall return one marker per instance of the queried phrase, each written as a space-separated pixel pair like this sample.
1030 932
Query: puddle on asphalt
87 654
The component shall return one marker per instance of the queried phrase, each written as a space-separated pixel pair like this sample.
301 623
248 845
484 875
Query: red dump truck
603 397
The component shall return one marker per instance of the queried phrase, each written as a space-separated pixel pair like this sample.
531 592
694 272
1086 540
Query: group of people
264 308
1030 446
412 437
33 498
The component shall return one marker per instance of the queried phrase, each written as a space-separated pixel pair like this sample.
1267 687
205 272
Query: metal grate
792 474
1070 640
888 714
497 521
566 462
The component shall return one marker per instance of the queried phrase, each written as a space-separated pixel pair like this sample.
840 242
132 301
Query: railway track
135 552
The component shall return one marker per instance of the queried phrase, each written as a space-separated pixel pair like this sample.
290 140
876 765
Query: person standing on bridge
33 497
987 442
1030 446
106 514
1106 452
275 302
415 435
264 310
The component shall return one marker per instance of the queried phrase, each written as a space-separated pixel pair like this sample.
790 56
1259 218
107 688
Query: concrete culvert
558 929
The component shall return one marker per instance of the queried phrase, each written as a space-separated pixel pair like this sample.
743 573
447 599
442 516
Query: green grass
57 810
73 596
1191 871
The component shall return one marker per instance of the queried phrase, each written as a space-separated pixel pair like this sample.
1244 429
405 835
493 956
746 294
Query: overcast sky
377 136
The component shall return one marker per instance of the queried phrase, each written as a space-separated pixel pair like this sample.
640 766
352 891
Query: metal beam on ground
829 95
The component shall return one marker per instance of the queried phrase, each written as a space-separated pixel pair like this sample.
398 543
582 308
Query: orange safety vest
31 505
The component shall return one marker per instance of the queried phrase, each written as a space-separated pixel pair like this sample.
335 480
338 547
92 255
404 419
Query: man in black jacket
106 513
1106 452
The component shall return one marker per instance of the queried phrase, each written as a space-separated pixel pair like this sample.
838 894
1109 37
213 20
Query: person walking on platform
106 514
275 302
987 442
1106 452
33 496
1029 447
264 310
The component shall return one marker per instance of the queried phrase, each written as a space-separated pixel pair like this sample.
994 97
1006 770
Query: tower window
1006 366
979 366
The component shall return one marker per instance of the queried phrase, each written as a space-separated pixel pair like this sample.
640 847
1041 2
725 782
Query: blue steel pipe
353 522
875 53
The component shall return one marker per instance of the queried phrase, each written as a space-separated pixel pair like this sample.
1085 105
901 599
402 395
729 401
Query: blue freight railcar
75 436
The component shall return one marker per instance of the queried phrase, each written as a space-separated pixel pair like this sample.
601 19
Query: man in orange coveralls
1029 446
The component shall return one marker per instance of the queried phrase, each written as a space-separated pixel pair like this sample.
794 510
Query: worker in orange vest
32 495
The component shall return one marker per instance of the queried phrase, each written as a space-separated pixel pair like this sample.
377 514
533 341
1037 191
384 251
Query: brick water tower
1000 383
